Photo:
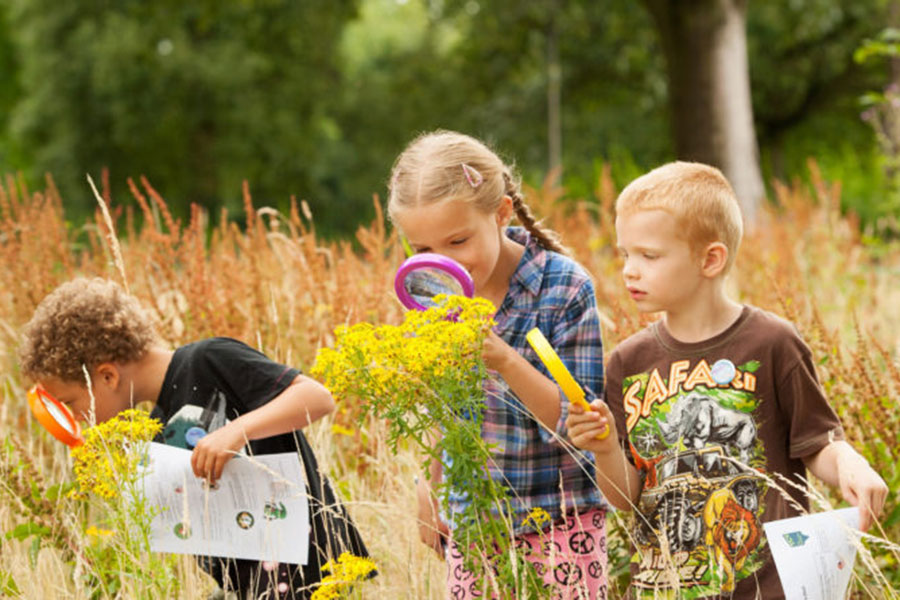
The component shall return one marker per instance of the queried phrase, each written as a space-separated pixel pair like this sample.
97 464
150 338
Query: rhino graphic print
697 442
698 420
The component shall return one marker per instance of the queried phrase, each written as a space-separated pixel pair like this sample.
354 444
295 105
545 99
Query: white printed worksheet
814 553
257 510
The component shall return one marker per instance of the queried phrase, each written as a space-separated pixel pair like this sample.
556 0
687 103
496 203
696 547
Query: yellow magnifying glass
560 373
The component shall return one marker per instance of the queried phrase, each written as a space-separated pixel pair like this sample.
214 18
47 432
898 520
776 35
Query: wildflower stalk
35 500
107 470
427 374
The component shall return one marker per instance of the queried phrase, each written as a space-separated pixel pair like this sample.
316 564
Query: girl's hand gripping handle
560 373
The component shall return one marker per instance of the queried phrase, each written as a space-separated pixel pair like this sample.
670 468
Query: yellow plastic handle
560 373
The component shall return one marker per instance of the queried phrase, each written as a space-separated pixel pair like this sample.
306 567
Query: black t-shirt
213 381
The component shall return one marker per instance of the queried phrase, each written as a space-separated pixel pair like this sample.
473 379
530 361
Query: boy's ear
505 211
106 374
715 257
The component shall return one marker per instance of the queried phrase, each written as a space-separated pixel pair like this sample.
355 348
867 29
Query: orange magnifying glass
559 372
55 417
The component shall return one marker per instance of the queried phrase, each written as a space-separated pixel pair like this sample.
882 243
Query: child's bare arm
840 466
536 391
432 530
617 478
302 402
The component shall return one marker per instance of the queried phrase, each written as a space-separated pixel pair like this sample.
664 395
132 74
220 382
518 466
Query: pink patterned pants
570 557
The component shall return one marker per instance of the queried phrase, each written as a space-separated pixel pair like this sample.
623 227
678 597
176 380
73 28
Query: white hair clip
472 175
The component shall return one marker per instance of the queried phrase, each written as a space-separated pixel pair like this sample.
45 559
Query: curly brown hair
84 322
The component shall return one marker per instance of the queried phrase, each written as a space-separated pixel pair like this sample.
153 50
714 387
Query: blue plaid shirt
555 294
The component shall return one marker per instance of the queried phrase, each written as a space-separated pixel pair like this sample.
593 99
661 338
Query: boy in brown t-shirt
715 410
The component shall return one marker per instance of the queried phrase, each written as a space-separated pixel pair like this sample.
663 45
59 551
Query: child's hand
432 530
496 353
215 449
585 426
861 486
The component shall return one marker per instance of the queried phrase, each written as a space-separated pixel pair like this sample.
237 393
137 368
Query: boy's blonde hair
698 196
444 165
84 322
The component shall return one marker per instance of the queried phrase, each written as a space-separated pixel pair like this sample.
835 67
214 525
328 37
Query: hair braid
546 237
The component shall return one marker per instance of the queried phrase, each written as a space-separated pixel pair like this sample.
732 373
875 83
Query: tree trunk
705 45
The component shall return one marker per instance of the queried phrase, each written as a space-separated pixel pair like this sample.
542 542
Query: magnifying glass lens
422 277
54 416
426 283
57 412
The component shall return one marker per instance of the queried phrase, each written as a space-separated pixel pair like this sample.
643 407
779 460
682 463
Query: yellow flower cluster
407 360
107 458
537 517
343 572
94 531
339 429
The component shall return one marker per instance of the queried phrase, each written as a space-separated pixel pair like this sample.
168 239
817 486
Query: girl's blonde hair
698 196
444 165
84 322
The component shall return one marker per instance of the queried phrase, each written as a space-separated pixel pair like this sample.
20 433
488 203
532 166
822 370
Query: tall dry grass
270 281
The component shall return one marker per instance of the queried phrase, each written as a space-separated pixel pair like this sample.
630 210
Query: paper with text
258 509
814 554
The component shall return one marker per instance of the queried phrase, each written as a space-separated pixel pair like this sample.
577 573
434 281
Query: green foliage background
315 99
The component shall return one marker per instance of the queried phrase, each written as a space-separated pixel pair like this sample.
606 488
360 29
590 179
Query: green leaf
751 366
872 99
34 549
27 529
892 518
8 585
59 490
887 45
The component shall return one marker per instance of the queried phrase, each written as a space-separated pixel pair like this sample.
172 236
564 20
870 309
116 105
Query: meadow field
270 281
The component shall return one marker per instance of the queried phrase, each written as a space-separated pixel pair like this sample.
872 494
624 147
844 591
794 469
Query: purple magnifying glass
422 277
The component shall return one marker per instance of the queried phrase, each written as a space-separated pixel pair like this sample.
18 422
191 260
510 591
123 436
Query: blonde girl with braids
450 194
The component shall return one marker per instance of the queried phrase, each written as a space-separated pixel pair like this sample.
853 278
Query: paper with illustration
258 509
814 554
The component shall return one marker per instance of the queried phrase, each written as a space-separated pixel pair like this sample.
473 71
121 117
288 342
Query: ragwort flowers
343 572
426 375
538 517
106 460
428 352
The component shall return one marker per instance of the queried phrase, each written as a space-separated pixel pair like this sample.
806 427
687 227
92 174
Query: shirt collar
530 272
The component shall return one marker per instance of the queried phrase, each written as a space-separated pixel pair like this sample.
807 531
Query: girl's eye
458 242
650 256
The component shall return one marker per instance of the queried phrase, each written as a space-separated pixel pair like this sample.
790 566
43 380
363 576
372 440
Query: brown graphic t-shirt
715 427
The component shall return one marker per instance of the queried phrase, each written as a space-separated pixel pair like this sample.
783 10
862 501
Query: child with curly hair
90 332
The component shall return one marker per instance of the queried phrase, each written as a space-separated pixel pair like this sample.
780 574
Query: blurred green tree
623 64
317 98
198 96
806 91
9 91
483 67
